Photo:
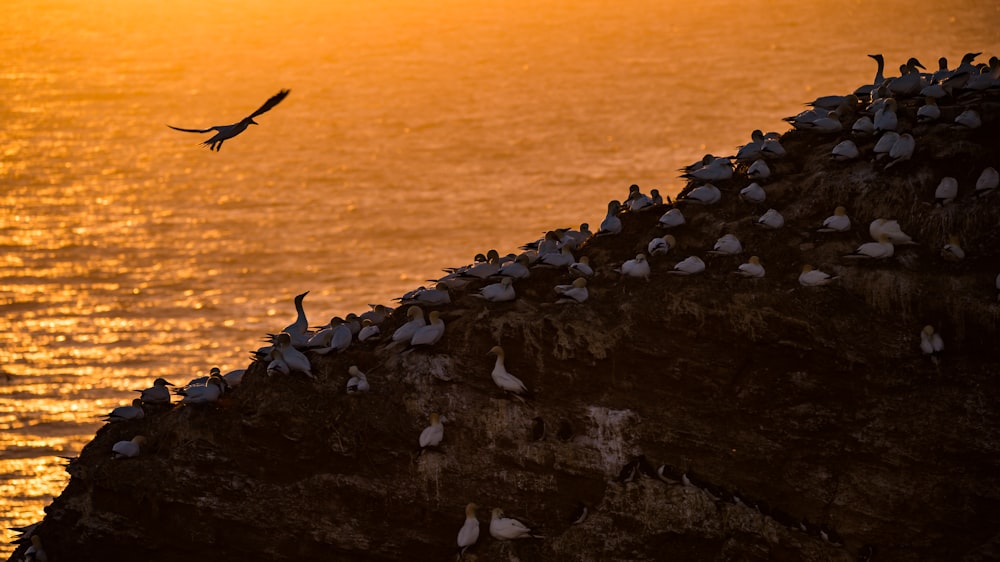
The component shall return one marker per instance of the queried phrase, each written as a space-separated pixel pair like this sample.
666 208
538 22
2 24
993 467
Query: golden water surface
417 133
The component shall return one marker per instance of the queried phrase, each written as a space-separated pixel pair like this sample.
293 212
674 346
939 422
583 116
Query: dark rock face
806 420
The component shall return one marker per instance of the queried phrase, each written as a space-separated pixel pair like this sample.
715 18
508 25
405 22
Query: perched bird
503 379
688 266
863 126
295 359
128 449
988 181
300 327
759 170
277 366
719 169
885 117
845 150
213 389
469 533
126 413
866 89
377 314
891 228
368 330
837 222
813 277
752 268
577 292
358 383
772 146
498 292
416 321
439 295
901 150
881 249
968 119
706 194
582 268
946 191
661 245
749 151
910 82
930 341
518 269
884 144
611 223
430 334
727 245
226 132
336 337
771 219
636 267
953 251
482 270
156 394
929 111
671 219
637 200
562 258
753 193
506 528
35 552
433 434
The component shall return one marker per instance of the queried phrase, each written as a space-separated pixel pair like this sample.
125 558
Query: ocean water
416 135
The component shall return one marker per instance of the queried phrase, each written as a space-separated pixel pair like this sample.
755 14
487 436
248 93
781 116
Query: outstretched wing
275 100
208 130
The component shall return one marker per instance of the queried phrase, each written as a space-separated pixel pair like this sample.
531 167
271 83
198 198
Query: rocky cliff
702 417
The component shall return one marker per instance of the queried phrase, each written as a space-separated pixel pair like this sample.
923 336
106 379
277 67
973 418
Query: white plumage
507 528
502 378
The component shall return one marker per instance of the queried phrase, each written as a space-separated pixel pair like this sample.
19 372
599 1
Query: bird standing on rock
226 132
508 528
503 379
469 533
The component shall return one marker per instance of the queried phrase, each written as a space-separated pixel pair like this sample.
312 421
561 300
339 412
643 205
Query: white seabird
503 379
727 245
901 150
881 249
891 228
582 268
866 89
416 321
156 394
885 143
377 314
988 180
337 337
128 449
440 295
611 223
562 258
213 389
498 292
277 366
295 359
300 327
368 330
953 251
126 413
506 528
636 267
661 245
752 268
759 170
433 434
719 169
226 132
573 238
688 266
772 145
430 334
845 150
576 292
929 111
485 269
518 269
637 200
358 383
837 222
753 193
469 533
671 218
863 126
813 277
749 151
968 119
910 81
35 552
930 341
946 191
885 118
771 219
706 194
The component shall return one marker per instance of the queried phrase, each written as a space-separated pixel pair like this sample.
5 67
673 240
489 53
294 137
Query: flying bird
226 132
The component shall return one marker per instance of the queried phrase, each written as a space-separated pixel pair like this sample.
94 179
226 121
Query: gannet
772 145
966 64
35 552
277 366
637 200
771 219
953 251
759 170
506 528
226 132
753 193
483 270
433 434
368 330
577 292
437 296
573 238
988 180
128 449
885 118
910 81
213 389
581 268
746 153
654 194
813 277
727 245
430 334
866 90
946 191
377 314
968 119
863 126
126 413
901 150
562 258
717 170
517 269
688 266
833 101
930 341
881 249
891 228
661 245
300 327
416 321
503 379
636 267
837 222
929 111
337 337
845 150
611 223
942 72
706 194
469 533
498 292
580 513
885 144
671 219
156 394
295 359
358 383
829 123
752 268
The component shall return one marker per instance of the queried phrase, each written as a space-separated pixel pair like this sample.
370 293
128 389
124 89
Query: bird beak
252 122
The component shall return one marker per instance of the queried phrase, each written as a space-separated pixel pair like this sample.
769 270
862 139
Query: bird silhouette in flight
226 132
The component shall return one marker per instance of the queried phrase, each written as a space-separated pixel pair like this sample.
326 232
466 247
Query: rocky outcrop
708 417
